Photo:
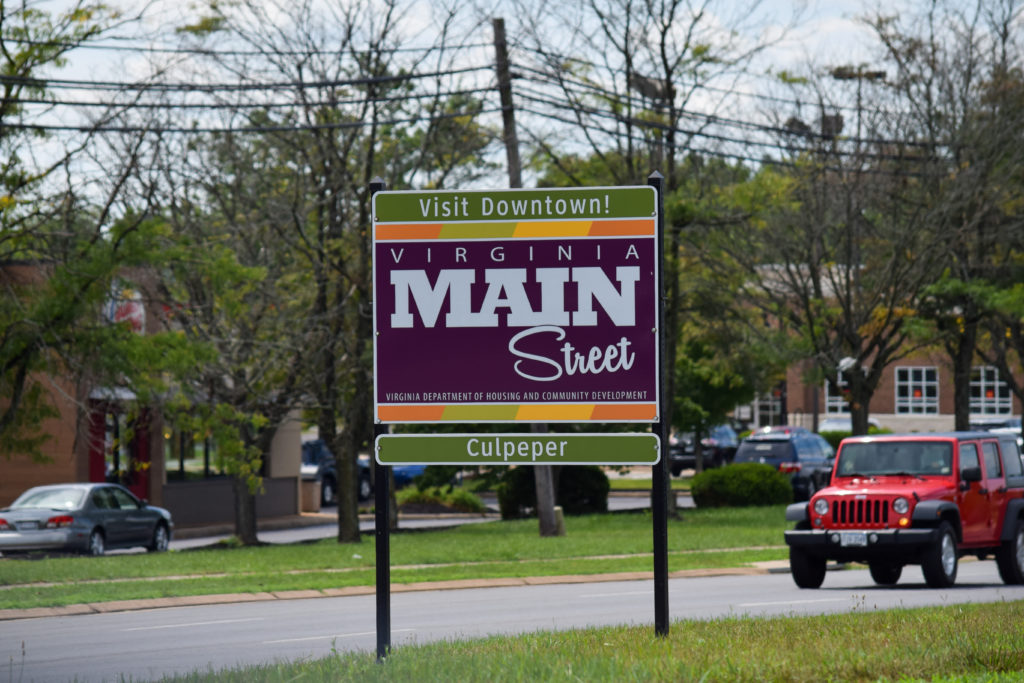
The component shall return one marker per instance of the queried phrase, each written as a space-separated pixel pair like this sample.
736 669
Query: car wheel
327 492
885 573
1010 556
940 561
365 490
808 571
161 539
97 544
676 471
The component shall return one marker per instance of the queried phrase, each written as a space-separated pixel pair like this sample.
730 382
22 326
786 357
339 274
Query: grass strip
963 643
53 595
631 484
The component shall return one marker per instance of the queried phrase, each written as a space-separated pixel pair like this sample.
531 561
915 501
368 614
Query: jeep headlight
900 506
821 507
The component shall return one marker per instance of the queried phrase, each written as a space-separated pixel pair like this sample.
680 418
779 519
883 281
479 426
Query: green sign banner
515 205
518 449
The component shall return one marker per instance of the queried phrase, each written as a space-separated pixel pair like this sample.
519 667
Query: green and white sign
518 449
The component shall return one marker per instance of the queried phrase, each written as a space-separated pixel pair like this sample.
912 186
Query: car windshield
56 499
752 451
895 457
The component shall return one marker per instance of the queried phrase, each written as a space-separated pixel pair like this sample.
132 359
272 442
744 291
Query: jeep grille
860 512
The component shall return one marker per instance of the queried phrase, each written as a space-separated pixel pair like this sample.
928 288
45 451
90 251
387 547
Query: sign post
522 307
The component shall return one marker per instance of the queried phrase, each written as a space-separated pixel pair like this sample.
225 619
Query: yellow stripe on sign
553 229
456 231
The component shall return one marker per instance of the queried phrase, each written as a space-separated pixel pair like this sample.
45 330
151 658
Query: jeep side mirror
969 474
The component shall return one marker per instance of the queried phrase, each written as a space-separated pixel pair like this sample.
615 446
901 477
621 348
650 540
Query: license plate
27 526
853 539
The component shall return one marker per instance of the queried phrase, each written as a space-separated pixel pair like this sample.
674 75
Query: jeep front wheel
940 561
808 571
1010 556
885 573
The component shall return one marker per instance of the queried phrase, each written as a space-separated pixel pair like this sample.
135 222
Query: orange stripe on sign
626 411
641 226
556 411
410 413
410 231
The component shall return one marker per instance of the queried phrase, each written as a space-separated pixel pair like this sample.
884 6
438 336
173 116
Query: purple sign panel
535 318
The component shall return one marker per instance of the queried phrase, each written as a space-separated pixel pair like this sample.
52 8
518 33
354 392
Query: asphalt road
149 644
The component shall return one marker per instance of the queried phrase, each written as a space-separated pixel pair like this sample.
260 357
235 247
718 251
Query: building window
990 395
189 456
837 395
917 391
769 409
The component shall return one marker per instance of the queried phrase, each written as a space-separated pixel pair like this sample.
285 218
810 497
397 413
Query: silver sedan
86 518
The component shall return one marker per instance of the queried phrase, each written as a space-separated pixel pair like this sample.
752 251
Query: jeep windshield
895 458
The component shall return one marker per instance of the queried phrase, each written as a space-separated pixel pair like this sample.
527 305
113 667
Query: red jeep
924 499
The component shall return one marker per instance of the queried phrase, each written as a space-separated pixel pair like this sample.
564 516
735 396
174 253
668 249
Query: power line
701 86
655 125
258 105
144 49
294 128
724 154
716 119
226 87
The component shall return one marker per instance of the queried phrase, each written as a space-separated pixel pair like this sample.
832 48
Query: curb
760 568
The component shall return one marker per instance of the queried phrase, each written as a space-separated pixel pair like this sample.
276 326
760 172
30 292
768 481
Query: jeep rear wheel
1010 556
885 573
940 561
808 571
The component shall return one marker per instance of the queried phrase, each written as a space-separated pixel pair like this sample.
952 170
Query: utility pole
508 114
544 475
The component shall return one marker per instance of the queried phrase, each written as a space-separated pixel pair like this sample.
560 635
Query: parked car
717 448
843 424
802 455
319 462
84 518
406 474
925 499
1001 425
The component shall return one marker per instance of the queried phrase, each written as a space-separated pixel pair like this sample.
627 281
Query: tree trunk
961 351
544 482
245 512
348 499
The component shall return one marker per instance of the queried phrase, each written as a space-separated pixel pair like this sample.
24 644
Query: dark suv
802 455
319 462
924 499
717 449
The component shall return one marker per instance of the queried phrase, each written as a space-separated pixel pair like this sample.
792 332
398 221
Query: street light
859 73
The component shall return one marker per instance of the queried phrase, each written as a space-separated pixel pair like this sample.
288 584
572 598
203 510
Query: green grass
595 544
622 484
959 643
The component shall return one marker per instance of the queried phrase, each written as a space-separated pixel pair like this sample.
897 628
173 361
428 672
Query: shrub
835 437
741 485
456 499
579 489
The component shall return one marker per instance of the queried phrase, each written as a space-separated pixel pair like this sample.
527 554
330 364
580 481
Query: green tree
956 75
61 247
301 181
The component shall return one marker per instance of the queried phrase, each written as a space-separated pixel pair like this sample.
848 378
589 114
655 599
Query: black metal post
382 528
660 474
